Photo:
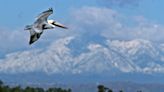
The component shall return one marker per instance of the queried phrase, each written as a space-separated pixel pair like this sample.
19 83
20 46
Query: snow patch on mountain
117 56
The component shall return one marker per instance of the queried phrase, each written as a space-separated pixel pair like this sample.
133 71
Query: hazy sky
136 17
20 12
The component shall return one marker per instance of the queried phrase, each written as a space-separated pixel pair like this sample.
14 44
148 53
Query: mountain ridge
124 56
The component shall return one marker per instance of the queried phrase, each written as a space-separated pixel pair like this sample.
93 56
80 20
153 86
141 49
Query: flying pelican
41 24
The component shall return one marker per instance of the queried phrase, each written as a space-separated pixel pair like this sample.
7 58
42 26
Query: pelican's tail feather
28 27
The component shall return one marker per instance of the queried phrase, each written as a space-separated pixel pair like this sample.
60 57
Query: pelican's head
51 21
54 23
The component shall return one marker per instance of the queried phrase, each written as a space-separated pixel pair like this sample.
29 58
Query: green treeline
102 88
6 88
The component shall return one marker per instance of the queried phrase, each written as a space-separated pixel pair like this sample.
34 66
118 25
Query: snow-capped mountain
135 56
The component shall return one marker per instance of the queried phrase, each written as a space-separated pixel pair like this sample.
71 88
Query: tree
110 90
16 89
6 89
29 89
101 88
69 90
121 91
1 83
39 89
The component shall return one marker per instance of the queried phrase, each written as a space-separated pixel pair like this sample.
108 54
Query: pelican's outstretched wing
42 19
44 15
34 37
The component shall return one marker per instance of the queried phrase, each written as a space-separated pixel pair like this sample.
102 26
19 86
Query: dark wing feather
34 37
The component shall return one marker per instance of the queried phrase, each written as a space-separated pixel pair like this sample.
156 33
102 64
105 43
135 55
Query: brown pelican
41 24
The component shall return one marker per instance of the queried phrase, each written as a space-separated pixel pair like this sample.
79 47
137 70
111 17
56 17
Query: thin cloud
18 39
12 40
114 25
119 3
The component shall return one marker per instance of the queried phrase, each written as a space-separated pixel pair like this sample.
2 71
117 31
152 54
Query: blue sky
18 13
24 11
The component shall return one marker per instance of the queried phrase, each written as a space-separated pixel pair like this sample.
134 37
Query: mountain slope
135 56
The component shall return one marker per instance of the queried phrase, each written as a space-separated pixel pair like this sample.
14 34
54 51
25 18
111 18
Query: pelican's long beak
59 25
